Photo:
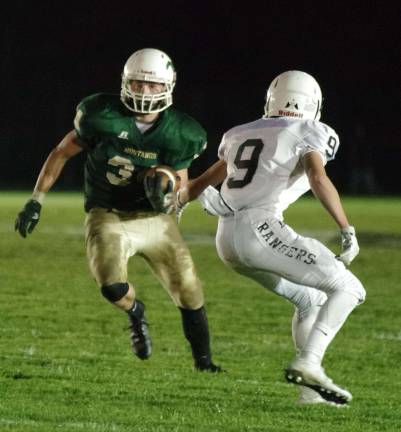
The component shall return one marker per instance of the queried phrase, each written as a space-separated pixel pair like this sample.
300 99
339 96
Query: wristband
38 196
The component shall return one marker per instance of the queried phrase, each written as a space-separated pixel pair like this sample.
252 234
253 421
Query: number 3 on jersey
121 170
249 164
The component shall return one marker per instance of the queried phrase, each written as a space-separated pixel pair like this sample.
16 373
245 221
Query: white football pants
302 270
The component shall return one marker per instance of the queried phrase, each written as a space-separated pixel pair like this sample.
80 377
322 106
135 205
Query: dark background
54 53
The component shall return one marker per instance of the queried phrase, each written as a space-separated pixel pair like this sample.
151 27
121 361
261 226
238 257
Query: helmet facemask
145 103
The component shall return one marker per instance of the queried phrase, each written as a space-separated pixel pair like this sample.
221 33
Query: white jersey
264 167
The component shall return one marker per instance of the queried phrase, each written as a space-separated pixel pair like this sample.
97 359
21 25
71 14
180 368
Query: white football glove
212 202
349 245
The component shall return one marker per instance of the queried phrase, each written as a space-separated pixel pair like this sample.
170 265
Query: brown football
168 174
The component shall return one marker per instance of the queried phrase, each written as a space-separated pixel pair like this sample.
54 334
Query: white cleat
307 396
312 376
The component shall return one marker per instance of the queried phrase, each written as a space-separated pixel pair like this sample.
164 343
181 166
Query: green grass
65 359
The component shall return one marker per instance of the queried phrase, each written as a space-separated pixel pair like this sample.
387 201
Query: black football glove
162 201
28 218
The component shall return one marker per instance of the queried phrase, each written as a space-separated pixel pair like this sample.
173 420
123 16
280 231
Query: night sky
55 53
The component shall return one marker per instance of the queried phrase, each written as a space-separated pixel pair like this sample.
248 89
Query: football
168 174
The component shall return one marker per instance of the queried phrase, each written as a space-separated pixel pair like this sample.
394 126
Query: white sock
301 326
330 319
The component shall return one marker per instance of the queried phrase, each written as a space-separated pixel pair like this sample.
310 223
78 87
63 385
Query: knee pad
114 292
347 282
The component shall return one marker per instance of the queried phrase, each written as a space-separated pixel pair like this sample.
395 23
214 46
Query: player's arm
193 188
323 188
213 176
28 218
183 174
326 192
54 164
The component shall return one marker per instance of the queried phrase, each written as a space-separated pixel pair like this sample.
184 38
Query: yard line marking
76 425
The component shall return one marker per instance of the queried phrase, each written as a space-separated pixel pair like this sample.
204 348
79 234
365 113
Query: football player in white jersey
265 166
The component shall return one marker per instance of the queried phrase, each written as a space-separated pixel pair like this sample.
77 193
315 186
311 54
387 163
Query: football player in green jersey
124 136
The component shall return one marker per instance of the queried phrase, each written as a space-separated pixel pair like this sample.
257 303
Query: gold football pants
113 236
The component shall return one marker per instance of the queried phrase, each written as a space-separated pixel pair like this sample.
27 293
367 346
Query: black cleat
140 338
203 365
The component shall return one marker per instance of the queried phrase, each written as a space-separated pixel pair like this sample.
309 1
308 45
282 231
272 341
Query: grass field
65 359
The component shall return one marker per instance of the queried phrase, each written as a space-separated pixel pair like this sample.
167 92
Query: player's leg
302 323
345 292
171 261
264 243
309 301
306 262
306 300
108 250
231 240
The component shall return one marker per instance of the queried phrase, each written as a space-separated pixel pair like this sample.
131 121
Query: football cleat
307 396
140 338
309 375
205 365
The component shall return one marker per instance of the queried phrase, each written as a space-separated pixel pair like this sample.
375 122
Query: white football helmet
294 94
153 65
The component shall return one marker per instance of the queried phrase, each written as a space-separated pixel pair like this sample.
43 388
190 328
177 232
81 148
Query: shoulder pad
92 113
317 136
190 128
191 131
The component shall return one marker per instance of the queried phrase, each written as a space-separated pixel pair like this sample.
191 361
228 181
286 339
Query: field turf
65 359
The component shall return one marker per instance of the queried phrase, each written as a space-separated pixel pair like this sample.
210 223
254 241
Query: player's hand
28 217
212 202
162 201
349 244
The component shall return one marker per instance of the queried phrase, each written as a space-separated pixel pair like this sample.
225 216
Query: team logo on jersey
140 153
123 135
270 238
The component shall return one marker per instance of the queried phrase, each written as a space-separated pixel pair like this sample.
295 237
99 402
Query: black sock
196 330
136 310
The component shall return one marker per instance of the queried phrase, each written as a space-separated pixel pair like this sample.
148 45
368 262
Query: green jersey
118 152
